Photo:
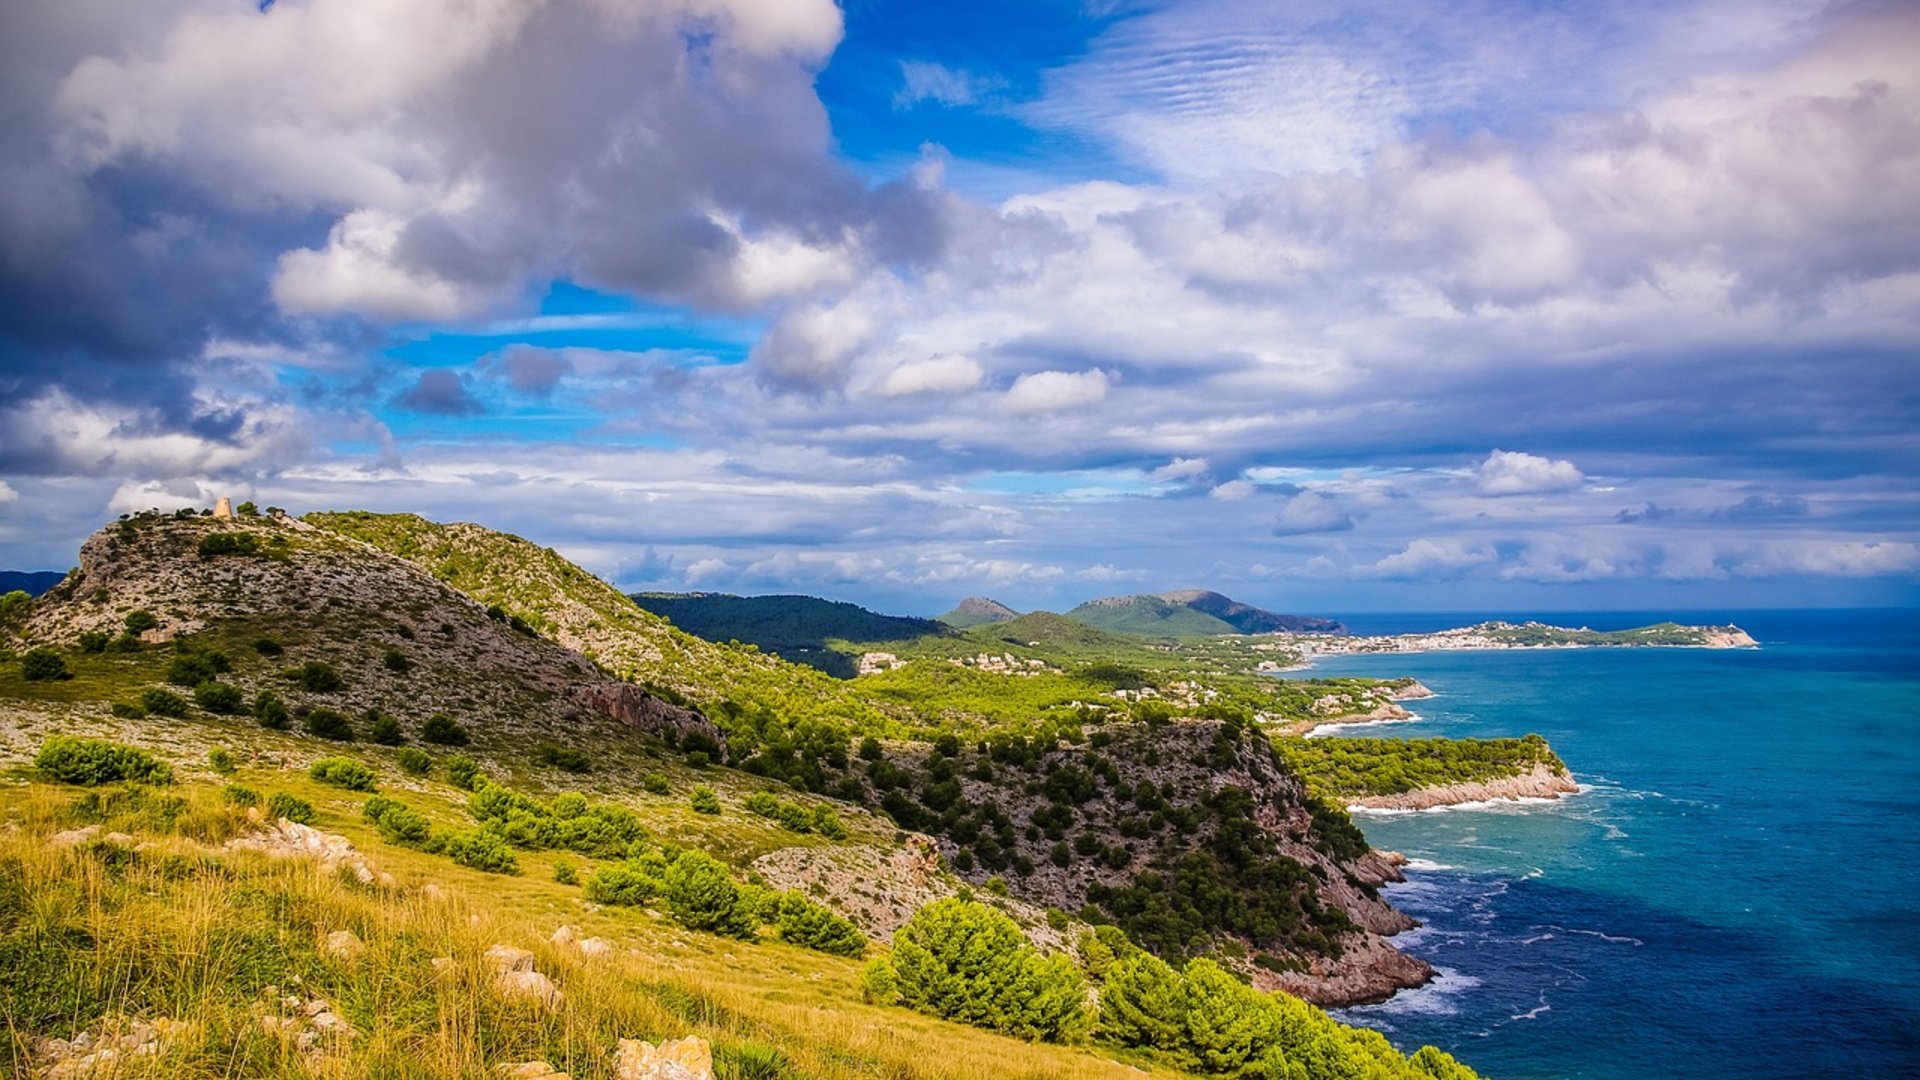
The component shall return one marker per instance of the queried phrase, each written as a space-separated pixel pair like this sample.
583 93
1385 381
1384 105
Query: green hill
797 628
1191 613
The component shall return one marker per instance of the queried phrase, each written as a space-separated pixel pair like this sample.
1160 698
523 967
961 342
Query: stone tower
223 509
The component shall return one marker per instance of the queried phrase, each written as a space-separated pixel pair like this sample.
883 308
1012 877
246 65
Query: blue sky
1350 306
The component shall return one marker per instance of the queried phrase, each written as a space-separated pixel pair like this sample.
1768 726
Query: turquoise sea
1737 893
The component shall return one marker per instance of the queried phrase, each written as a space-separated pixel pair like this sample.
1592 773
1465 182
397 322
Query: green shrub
163 703
656 783
565 874
235 795
218 697
43 665
93 641
267 646
128 710
396 822
566 758
125 643
330 724
141 621
802 922
484 850
443 730
828 824
630 883
751 1061
317 676
220 759
216 544
1143 1002
879 985
704 801
413 761
190 669
292 807
271 712
465 773
702 895
396 662
384 729
966 961
342 772
73 760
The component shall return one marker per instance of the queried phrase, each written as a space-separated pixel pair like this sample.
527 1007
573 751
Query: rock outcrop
689 1058
1543 781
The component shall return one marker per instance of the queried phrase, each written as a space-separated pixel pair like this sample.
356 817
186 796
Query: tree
1228 1022
702 895
965 961
1143 1002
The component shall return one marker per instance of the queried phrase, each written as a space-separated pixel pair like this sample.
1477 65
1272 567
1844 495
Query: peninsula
1505 635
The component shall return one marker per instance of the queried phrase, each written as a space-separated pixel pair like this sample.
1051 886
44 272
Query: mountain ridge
1192 613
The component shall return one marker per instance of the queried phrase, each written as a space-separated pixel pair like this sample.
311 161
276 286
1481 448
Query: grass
177 927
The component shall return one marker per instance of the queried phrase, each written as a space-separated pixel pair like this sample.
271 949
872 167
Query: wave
1525 802
1325 730
1437 998
1426 865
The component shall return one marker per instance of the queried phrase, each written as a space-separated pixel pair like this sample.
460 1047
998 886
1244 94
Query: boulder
689 1058
531 1070
343 944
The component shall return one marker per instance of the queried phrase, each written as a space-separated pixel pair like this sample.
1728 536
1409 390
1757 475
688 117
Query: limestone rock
506 959
531 1070
74 837
677 1059
594 947
343 944
106 1052
563 935
513 976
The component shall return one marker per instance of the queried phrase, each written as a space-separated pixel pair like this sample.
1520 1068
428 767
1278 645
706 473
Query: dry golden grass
172 925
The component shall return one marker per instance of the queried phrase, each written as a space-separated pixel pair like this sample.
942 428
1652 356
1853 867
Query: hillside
975 610
1191 613
308 668
797 628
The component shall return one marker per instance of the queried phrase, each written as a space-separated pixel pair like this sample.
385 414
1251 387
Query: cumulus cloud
532 371
1424 558
1311 512
441 393
946 373
1511 472
1052 391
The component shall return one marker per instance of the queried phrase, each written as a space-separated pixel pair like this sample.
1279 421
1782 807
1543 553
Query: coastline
1541 782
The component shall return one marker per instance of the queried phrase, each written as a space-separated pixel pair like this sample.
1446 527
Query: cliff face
1141 819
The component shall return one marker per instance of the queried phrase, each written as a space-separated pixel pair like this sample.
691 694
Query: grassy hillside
1190 613
975 610
1348 768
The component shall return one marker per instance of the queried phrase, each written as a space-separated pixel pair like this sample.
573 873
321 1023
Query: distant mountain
31 581
796 628
1191 613
975 610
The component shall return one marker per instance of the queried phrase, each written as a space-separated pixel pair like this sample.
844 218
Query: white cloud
926 80
1511 472
1179 468
7 494
1052 391
1232 491
947 373
1425 558
1310 512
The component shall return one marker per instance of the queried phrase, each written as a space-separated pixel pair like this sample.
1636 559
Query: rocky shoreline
1543 781
1500 635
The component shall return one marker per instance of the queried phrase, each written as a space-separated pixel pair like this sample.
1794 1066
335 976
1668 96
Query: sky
1329 306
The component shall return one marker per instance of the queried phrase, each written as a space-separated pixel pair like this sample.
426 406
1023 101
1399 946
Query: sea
1735 892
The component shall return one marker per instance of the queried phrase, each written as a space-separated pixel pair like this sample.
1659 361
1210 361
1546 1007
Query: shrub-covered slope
797 628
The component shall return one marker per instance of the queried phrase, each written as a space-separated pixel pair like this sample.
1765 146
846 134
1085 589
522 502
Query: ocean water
1736 893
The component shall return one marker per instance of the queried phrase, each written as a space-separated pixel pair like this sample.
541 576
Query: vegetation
1348 768
291 807
443 730
802 629
704 800
343 773
317 676
567 758
330 724
413 761
965 961
73 760
213 545
43 665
